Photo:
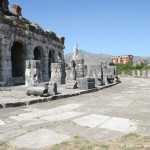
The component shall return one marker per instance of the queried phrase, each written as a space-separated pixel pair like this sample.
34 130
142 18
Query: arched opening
51 60
18 60
37 53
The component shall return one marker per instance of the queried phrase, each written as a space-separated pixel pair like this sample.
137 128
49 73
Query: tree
111 64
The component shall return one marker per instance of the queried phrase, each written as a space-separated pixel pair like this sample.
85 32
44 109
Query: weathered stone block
144 74
98 82
57 73
36 91
33 73
71 85
16 9
148 73
138 73
71 74
85 83
111 71
133 73
123 74
52 88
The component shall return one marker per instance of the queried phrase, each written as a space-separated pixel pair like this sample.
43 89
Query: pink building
121 59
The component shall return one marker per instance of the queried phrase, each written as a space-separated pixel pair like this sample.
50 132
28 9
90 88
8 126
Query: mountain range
92 59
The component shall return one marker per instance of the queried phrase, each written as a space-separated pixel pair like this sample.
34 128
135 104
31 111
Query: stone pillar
138 73
5 62
148 73
57 73
111 71
144 74
80 68
33 73
133 73
71 75
0 61
123 74
56 56
45 68
104 74
90 72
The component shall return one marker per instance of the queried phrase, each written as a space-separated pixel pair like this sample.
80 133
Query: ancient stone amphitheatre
48 104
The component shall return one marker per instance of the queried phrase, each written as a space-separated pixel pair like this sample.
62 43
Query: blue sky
116 27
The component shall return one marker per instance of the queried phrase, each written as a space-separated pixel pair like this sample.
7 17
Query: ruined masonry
34 57
78 75
24 42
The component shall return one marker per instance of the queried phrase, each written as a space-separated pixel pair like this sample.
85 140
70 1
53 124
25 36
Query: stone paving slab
91 121
57 113
62 116
25 116
119 124
39 139
11 134
106 122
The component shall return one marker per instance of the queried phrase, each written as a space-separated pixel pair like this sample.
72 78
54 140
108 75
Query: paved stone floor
103 115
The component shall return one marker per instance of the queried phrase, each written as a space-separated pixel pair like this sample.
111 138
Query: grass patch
78 143
4 144
146 139
104 146
130 135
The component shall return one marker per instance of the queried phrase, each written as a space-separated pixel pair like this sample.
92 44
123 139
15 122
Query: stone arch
18 58
51 59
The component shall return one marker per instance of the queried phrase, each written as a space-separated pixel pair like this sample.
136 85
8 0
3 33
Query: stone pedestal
33 73
85 83
133 73
80 68
71 76
144 74
95 72
52 88
58 73
138 73
148 73
104 75
122 74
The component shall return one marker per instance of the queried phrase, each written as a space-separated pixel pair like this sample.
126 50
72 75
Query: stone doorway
18 60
